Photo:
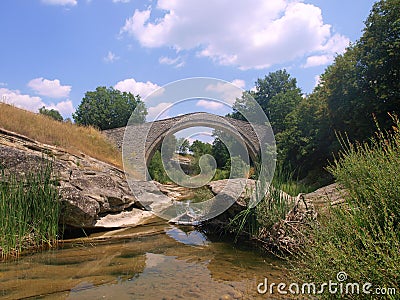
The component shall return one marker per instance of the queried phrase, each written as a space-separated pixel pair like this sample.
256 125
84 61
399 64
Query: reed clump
29 210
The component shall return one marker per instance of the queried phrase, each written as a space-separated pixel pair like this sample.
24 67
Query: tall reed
29 210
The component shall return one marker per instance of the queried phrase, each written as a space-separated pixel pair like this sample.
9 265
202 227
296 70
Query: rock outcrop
90 190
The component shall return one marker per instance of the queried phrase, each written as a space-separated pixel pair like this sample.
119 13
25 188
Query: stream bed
153 261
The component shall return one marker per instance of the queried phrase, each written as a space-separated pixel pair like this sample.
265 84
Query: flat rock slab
124 219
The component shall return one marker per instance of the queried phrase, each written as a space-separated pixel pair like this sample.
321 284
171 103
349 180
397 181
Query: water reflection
187 236
167 262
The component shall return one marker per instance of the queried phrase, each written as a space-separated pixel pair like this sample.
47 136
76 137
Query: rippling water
154 261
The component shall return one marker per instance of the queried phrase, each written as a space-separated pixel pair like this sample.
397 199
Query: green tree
156 168
280 106
378 65
198 148
361 84
220 153
52 113
277 94
108 108
305 144
365 81
273 84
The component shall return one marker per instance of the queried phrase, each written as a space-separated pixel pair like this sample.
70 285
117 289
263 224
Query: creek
156 260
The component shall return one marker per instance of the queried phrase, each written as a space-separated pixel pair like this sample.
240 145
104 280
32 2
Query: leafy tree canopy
52 113
108 108
198 148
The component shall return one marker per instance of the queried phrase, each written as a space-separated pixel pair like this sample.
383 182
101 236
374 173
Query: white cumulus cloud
213 105
66 108
60 2
136 87
49 88
326 54
33 103
14 97
249 34
228 92
158 112
317 60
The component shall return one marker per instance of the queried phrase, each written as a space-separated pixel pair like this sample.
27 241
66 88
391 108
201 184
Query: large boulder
89 189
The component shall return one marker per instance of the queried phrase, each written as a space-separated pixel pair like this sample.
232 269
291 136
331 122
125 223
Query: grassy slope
73 138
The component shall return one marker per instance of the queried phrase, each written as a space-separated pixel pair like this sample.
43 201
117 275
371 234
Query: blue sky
53 51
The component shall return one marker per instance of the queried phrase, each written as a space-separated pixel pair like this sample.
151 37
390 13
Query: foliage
52 113
365 82
76 139
363 237
238 167
183 146
198 148
220 153
157 170
379 60
29 210
221 174
280 98
107 108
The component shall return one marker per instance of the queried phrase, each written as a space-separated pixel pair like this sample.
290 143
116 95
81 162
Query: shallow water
153 261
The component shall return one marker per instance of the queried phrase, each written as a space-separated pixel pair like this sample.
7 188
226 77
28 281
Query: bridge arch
238 129
254 137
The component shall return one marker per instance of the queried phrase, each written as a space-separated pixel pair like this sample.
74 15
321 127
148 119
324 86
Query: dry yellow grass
75 139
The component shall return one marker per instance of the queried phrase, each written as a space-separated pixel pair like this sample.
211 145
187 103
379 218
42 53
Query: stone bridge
254 137
139 142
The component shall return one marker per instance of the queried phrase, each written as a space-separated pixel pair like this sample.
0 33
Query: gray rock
89 189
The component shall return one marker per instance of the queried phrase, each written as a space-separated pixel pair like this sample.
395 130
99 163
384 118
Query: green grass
361 238
29 210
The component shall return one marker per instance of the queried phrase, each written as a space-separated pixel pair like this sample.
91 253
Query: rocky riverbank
94 194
